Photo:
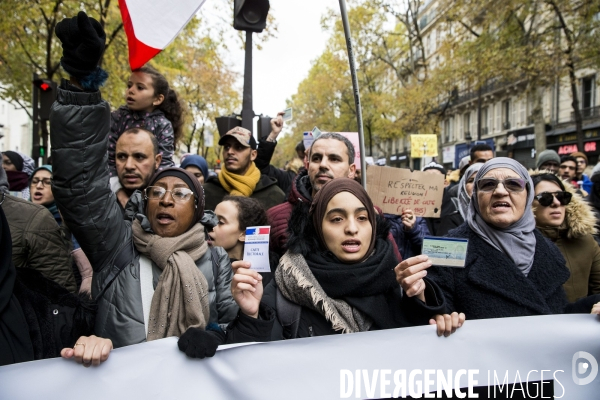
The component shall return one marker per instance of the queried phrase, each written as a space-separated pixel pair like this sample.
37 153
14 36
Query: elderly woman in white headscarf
511 270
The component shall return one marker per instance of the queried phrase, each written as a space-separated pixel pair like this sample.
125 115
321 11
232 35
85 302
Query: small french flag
258 230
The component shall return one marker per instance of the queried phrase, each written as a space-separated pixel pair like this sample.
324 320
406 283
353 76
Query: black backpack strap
288 314
215 263
123 258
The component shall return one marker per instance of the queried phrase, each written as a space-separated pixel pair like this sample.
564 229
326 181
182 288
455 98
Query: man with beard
330 156
239 175
136 161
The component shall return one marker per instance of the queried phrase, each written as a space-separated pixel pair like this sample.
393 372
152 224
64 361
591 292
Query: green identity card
445 252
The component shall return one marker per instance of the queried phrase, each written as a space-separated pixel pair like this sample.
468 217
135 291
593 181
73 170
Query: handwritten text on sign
397 189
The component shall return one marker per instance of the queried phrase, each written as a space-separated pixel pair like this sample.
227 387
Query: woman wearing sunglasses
569 222
511 270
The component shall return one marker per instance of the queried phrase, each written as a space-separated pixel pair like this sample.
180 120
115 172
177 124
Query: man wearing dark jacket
239 175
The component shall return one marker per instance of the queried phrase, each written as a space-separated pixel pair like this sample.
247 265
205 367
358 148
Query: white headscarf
518 240
463 196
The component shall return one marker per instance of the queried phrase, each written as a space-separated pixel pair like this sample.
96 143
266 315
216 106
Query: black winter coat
491 286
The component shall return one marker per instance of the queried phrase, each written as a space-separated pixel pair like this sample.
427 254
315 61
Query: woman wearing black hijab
15 345
340 274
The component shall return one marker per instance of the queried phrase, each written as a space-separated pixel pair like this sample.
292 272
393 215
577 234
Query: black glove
198 343
83 41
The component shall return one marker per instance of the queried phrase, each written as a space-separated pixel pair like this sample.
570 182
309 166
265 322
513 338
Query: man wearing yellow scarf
239 176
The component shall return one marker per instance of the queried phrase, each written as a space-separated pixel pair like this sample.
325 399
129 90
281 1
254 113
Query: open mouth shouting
501 206
164 218
351 245
37 195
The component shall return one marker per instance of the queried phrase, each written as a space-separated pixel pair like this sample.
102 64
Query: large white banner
564 349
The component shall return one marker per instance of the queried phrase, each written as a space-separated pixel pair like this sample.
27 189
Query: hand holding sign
246 288
287 114
410 274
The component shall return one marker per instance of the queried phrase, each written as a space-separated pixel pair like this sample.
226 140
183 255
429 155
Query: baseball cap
243 135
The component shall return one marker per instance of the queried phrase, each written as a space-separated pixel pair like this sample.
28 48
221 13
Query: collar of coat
492 270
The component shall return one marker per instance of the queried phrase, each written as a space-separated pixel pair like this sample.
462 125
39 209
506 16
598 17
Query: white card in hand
256 248
287 114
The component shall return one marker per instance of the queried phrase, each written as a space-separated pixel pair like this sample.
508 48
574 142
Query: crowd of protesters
126 247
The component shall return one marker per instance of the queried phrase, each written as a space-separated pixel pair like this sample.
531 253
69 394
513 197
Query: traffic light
39 151
225 124
250 15
47 93
263 127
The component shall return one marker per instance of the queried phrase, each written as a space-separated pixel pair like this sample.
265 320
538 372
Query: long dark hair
171 106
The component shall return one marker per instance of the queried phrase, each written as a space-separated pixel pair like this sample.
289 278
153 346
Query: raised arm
80 126
80 123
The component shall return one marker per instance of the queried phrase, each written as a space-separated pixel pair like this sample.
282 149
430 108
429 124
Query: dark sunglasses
510 184
547 198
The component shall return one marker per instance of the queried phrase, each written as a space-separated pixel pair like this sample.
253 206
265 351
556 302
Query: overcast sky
285 61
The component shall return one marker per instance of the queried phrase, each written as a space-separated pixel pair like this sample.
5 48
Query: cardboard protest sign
423 146
398 189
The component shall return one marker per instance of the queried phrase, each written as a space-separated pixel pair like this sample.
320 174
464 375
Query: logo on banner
581 367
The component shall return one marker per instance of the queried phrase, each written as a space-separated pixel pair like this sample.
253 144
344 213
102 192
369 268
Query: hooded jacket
81 122
575 240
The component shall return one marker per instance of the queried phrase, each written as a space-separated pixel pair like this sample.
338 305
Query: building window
506 114
466 124
588 87
522 112
498 117
448 130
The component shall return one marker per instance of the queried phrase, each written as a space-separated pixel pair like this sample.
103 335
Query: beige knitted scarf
180 300
298 284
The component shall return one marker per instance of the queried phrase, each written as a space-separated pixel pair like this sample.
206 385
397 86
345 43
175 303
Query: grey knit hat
547 155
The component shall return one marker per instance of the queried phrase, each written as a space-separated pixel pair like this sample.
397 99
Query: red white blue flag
151 25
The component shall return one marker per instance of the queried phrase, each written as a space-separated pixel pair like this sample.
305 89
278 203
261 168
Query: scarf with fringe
180 300
352 297
240 185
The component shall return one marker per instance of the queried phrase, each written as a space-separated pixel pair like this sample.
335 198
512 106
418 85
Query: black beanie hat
192 183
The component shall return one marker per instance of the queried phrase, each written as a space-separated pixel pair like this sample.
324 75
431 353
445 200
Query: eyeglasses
511 184
44 181
547 198
180 195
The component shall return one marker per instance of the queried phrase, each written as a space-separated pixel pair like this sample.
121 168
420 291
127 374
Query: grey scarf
518 240
298 284
463 196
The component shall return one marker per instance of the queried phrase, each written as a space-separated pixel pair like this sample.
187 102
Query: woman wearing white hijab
511 269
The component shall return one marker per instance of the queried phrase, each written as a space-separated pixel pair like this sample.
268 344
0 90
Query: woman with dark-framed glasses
563 217
510 270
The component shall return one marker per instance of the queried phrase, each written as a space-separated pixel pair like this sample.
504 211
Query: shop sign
567 149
